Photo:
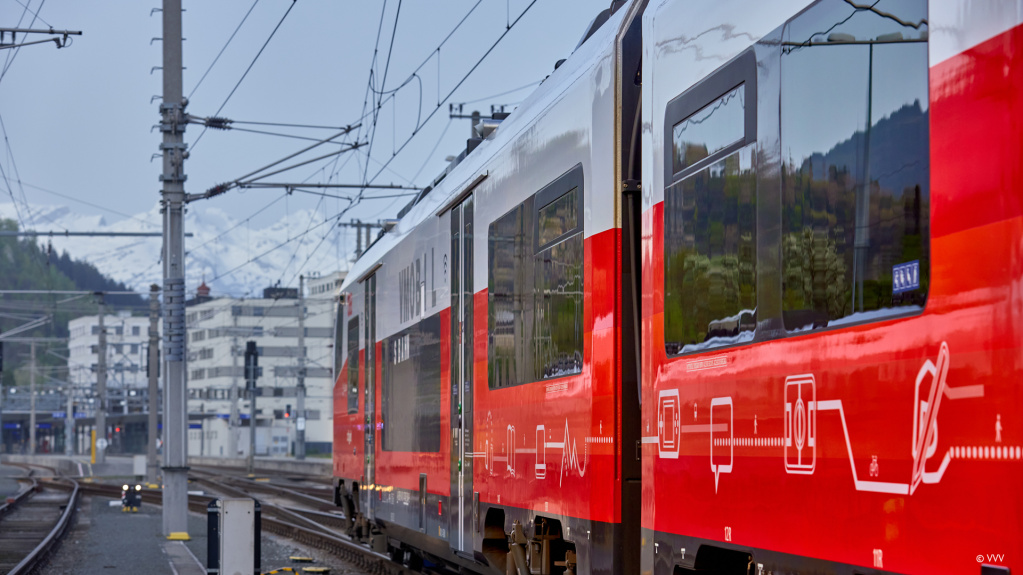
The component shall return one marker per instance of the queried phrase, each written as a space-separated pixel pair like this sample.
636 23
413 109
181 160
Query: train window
855 183
710 130
353 365
710 224
536 286
558 217
411 388
339 356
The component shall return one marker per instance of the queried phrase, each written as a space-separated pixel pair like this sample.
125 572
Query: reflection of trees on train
819 222
536 296
710 253
557 338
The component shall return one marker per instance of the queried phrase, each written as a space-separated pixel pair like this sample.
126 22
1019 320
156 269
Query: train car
832 222
702 303
486 407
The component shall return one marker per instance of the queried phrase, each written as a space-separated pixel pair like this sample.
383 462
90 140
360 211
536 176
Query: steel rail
40 553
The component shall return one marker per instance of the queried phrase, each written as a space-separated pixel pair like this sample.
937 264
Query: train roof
473 167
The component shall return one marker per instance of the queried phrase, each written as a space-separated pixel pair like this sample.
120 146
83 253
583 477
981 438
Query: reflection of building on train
703 302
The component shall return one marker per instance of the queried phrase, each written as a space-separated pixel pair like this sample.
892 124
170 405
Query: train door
369 400
461 513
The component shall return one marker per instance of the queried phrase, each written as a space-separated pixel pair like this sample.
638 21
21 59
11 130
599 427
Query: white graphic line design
1014 452
861 485
965 391
570 456
718 469
649 439
750 442
704 428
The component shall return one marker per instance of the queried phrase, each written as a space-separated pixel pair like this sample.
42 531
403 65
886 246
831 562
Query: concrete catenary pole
101 387
153 359
32 400
233 421
300 387
175 416
69 420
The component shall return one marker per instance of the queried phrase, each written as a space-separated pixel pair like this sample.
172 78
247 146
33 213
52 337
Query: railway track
33 521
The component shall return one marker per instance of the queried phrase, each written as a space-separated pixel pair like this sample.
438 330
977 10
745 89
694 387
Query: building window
95 330
136 330
134 348
535 287
855 166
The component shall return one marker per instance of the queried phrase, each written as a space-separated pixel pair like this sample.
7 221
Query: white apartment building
218 329
127 380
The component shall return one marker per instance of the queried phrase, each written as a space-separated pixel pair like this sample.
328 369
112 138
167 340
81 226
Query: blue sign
195 426
906 277
44 426
59 414
12 426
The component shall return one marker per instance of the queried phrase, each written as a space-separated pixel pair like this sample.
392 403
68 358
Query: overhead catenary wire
384 166
17 180
450 93
246 73
74 199
14 53
35 13
505 93
219 54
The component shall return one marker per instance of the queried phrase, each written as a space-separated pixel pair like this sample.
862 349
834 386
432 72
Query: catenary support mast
153 369
175 416
300 388
101 386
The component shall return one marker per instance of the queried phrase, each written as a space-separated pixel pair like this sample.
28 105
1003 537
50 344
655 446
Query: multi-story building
127 388
126 357
218 330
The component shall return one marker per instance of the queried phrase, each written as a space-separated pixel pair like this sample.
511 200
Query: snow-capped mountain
234 258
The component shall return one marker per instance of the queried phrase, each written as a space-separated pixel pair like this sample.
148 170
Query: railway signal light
287 411
251 364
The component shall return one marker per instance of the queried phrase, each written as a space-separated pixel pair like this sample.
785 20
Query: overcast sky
78 121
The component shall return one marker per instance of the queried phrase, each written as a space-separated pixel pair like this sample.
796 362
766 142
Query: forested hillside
24 265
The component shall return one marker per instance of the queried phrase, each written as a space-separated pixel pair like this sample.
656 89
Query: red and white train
738 289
